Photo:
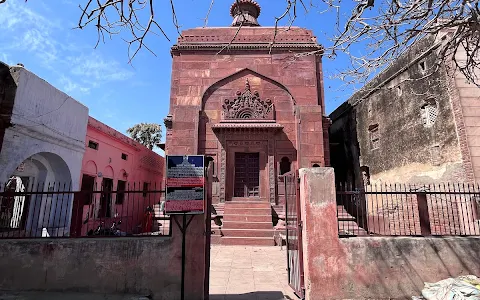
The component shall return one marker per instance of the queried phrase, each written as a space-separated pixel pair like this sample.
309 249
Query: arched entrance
37 214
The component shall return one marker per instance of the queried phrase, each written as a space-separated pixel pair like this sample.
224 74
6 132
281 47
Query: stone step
216 239
220 208
346 217
343 215
248 199
246 233
248 218
350 228
249 225
250 241
247 211
247 204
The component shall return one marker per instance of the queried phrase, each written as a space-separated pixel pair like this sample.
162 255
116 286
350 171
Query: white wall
45 120
46 123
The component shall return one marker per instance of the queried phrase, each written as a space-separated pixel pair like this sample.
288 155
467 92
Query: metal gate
294 234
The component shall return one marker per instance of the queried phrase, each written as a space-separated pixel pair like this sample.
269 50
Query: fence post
423 214
208 228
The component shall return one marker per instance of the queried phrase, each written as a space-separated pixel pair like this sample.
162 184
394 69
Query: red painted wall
142 165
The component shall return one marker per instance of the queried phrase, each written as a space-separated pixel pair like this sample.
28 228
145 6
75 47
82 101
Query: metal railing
54 210
409 210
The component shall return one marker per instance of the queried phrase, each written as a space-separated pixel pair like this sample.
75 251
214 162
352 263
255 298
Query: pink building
113 161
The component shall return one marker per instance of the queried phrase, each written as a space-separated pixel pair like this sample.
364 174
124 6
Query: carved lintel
246 143
248 105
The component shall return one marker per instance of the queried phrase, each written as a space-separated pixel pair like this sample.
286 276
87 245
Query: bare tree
147 134
372 33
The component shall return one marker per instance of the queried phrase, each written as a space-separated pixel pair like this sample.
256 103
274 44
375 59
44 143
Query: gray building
416 122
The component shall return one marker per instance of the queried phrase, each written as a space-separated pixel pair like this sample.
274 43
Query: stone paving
249 272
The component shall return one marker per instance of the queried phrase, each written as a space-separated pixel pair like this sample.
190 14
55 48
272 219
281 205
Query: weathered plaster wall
145 266
44 120
48 127
408 151
370 268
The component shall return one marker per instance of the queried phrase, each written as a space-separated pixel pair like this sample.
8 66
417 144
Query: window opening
422 66
429 112
285 165
124 156
365 174
93 145
374 136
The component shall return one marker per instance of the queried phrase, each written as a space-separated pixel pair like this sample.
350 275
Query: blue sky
40 35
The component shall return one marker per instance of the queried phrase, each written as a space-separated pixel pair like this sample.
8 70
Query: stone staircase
347 224
245 222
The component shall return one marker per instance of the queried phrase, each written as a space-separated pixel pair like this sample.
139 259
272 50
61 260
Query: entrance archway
38 214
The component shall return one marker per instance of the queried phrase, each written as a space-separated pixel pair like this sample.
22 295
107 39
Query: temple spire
245 13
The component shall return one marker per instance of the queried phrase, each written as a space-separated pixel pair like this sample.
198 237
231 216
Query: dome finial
245 13
247 84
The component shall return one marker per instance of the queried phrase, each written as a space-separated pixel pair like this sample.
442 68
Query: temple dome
245 13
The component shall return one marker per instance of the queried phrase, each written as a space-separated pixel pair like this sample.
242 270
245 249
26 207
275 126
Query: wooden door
247 174
106 199
81 199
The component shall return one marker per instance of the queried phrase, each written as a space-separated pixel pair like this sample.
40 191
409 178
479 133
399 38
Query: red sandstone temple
255 105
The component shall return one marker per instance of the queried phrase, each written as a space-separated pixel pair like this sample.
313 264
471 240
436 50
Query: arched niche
108 172
90 168
256 80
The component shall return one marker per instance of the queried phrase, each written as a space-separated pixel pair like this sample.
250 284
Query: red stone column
310 136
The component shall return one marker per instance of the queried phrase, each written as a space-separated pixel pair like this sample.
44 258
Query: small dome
245 13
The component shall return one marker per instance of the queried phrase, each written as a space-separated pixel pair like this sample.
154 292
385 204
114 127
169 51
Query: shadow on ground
40 295
252 296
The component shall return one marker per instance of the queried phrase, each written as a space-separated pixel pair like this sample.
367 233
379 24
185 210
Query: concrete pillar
321 248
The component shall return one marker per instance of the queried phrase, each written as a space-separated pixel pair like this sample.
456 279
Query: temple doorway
247 175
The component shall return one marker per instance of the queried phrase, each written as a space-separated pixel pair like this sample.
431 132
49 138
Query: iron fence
409 210
54 210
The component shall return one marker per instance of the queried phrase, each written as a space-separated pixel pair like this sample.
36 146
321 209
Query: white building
43 147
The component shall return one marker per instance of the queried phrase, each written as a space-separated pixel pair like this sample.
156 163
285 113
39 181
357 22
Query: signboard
185 184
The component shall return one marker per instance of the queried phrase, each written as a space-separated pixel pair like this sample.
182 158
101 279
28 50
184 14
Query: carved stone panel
223 166
271 170
248 105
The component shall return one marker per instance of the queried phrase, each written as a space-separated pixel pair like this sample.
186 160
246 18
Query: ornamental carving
248 105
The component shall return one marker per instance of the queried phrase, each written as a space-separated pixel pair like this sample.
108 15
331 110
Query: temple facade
251 98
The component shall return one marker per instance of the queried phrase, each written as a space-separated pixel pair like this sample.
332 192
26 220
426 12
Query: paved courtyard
249 272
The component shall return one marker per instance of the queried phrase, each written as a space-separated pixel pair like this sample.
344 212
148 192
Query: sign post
185 194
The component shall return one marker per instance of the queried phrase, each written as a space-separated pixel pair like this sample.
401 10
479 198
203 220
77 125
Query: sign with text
185 184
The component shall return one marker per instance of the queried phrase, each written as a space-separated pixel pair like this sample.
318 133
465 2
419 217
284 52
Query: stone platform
249 272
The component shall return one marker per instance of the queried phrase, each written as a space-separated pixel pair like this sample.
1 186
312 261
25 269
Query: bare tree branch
111 17
208 14
371 34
